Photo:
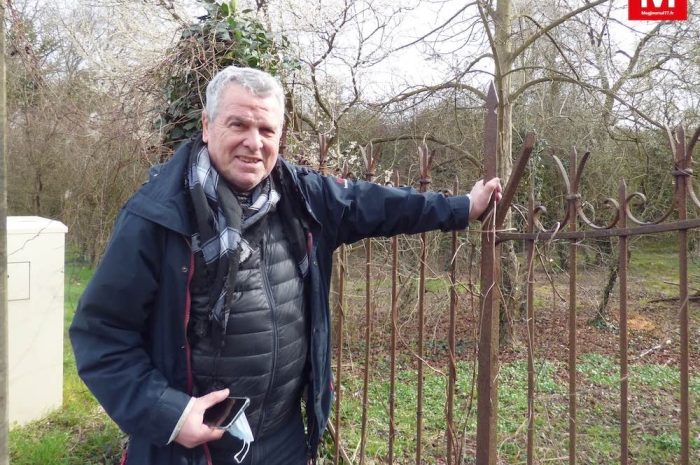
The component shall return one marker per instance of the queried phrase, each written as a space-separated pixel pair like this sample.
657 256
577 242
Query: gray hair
258 83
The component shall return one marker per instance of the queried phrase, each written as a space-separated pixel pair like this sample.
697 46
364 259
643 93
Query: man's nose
253 140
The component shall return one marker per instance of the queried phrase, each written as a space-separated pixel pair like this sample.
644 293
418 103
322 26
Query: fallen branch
691 298
697 291
343 453
655 348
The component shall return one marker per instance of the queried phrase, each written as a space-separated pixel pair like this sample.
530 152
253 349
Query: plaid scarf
218 243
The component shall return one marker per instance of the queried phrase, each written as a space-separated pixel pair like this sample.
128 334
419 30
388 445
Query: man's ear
205 127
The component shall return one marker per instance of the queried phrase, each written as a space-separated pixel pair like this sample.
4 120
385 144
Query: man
216 280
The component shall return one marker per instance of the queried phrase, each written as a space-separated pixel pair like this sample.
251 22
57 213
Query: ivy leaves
222 37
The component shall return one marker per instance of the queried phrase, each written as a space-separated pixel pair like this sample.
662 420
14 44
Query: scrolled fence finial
323 147
370 155
425 163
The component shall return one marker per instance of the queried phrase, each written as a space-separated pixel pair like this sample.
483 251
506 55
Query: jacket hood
164 199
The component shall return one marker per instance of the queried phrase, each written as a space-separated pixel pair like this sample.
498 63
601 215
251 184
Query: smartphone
226 412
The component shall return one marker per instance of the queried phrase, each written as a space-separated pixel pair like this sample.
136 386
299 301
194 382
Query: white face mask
241 429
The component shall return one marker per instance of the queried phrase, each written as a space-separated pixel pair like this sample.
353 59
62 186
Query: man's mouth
249 160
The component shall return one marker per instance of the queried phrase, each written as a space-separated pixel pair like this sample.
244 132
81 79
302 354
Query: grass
654 436
655 263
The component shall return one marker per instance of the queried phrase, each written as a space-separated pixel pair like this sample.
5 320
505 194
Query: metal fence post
452 434
487 382
425 157
394 329
370 156
681 172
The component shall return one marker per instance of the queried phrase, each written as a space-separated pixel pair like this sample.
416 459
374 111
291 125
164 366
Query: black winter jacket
129 330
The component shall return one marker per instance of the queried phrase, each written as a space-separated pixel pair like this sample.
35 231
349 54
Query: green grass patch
653 407
599 369
437 285
655 262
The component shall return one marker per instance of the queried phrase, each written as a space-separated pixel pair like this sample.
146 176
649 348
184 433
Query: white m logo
658 3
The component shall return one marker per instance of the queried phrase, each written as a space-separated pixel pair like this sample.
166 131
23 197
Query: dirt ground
652 308
652 322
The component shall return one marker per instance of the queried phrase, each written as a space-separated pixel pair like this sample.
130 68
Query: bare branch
527 43
436 29
465 153
556 45
585 85
431 90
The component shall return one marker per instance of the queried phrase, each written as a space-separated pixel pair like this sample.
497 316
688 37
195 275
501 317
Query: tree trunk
600 320
509 306
4 383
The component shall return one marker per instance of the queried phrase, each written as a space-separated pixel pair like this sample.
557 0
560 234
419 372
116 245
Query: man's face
244 138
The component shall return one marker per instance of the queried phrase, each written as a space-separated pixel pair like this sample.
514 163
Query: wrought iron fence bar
394 326
341 264
421 350
368 343
572 200
425 158
394 329
341 256
516 174
451 341
624 381
601 233
682 181
370 159
684 322
531 334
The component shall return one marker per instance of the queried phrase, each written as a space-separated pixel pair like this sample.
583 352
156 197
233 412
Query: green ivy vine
224 36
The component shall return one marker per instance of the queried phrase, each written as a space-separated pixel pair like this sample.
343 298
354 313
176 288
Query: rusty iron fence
484 300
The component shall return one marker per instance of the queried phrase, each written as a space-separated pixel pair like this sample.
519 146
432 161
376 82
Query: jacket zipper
188 305
188 349
271 302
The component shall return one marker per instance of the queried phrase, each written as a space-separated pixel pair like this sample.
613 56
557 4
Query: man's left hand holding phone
196 431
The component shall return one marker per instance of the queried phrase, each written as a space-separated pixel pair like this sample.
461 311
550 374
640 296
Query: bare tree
94 122
581 59
338 46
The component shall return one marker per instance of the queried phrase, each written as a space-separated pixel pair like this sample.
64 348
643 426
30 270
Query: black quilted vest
266 342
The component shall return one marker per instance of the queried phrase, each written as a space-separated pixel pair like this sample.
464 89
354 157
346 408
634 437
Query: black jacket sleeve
109 330
354 210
